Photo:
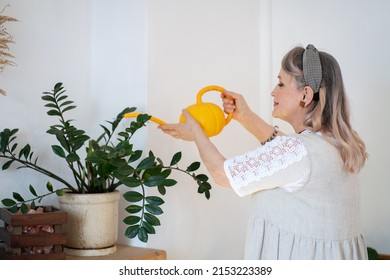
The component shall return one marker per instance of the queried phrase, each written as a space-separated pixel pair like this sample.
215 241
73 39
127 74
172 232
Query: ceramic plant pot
92 227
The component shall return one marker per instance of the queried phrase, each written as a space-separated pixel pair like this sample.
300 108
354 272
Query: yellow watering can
210 117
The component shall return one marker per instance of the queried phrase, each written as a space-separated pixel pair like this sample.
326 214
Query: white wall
193 44
156 55
49 48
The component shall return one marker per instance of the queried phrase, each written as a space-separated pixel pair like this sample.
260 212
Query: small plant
110 161
5 40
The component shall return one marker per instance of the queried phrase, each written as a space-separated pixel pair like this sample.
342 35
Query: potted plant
99 166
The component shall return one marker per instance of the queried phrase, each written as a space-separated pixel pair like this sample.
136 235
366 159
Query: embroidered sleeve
282 162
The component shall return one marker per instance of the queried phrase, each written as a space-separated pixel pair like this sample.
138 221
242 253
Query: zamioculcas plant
100 165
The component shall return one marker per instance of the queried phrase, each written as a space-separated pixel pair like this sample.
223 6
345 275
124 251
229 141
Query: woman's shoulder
308 136
316 143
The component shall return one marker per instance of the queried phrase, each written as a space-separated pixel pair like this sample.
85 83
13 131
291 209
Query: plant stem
181 170
39 197
41 170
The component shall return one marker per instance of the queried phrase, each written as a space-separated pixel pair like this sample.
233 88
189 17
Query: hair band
312 69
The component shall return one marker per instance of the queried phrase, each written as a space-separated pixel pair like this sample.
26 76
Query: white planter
92 228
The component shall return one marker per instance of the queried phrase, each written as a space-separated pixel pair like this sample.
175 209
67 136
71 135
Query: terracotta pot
92 228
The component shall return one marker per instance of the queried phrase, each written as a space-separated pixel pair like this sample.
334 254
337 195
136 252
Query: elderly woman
304 185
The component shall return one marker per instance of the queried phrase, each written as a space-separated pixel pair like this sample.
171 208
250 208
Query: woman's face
287 98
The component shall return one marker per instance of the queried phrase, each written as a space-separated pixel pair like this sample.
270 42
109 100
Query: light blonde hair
330 115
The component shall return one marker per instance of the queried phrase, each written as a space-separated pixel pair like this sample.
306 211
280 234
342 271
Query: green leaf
7 164
58 151
132 231
49 186
135 156
68 108
193 166
153 209
176 158
169 182
207 194
48 98
13 131
155 200
95 158
143 118
152 181
60 192
166 173
7 202
66 102
146 163
106 130
153 171
51 105
125 111
118 162
54 113
205 188
202 177
73 157
124 171
32 190
151 219
14 209
131 220
132 209
132 196
62 97
131 182
17 196
123 134
148 227
14 147
161 189
26 151
143 235
24 208
58 87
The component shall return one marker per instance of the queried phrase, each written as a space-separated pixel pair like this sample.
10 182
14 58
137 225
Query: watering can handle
210 88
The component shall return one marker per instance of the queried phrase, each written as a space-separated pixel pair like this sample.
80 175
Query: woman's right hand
186 130
234 102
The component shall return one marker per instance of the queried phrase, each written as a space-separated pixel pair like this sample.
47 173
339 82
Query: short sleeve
282 162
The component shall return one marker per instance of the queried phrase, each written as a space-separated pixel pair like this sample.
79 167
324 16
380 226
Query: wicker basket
33 236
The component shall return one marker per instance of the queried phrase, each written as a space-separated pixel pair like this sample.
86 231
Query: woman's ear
307 96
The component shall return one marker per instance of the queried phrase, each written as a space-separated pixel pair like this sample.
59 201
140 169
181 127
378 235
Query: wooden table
127 253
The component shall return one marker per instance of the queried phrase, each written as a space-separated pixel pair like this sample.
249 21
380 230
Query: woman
304 185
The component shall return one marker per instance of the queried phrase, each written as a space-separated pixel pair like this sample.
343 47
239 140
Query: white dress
304 205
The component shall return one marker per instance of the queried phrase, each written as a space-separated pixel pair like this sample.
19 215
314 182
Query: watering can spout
135 114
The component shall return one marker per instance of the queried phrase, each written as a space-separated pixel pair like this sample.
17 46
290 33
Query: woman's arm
211 157
234 102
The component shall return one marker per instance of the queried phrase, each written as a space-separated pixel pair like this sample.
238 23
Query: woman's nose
273 92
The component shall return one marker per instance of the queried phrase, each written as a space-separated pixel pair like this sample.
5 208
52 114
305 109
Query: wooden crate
16 243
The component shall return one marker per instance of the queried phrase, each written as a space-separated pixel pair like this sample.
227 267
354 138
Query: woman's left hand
184 131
